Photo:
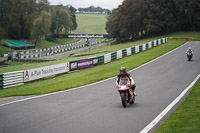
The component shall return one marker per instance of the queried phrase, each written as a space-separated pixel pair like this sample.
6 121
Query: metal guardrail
11 79
1 81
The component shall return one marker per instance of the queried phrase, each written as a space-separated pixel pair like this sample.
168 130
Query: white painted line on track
34 97
169 107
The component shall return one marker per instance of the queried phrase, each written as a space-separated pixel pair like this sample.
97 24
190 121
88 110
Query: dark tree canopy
23 19
135 19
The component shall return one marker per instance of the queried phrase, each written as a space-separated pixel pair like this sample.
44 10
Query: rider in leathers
189 50
123 74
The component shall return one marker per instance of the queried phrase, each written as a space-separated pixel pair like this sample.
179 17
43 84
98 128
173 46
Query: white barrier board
42 72
119 54
107 58
128 50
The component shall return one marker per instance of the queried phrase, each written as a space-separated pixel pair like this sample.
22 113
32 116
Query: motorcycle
126 93
189 56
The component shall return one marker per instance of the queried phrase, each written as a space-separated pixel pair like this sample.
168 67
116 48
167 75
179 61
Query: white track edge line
91 83
169 107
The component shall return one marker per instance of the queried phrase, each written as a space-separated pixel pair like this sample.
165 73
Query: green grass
91 23
186 119
4 50
193 36
94 74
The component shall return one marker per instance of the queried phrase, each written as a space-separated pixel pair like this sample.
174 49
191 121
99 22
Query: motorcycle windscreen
123 82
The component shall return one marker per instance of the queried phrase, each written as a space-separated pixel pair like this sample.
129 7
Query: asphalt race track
97 108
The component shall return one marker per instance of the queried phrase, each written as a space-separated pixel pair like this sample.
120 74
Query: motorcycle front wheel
123 98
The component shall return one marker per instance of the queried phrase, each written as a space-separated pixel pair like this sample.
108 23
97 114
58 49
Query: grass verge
94 74
91 23
186 118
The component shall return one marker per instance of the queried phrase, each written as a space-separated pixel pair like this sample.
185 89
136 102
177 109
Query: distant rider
189 51
123 74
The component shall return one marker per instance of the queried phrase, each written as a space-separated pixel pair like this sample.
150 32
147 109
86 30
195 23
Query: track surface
97 108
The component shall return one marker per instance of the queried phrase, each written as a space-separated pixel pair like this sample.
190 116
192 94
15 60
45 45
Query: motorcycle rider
189 51
124 74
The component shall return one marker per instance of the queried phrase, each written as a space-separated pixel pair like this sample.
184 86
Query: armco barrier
19 77
140 48
133 50
49 51
124 53
113 56
101 60
119 54
1 81
13 79
128 51
107 58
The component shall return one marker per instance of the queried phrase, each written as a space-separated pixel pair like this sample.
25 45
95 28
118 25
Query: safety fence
45 51
50 51
20 77
4 55
12 79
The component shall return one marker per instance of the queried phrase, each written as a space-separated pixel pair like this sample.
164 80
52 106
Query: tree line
34 19
135 19
93 9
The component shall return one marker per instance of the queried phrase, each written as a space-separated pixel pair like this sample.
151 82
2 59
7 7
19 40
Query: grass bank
186 118
91 23
94 74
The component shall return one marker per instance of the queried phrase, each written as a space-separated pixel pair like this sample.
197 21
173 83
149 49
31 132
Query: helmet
189 48
122 70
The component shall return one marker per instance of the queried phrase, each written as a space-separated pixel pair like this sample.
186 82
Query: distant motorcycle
189 56
126 93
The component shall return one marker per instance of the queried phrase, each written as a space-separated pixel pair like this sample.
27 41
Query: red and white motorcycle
126 93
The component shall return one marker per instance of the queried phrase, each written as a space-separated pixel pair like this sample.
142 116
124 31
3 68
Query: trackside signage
81 36
42 72
82 64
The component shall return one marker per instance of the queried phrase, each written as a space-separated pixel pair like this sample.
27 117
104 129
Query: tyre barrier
16 78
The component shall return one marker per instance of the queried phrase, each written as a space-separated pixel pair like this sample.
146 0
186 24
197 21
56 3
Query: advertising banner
82 64
85 63
80 36
47 71
73 65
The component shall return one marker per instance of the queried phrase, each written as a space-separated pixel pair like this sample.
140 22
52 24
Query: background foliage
34 19
135 19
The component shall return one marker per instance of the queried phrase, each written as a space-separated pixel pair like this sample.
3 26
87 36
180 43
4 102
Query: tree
112 25
72 11
188 14
61 20
41 26
126 22
159 18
